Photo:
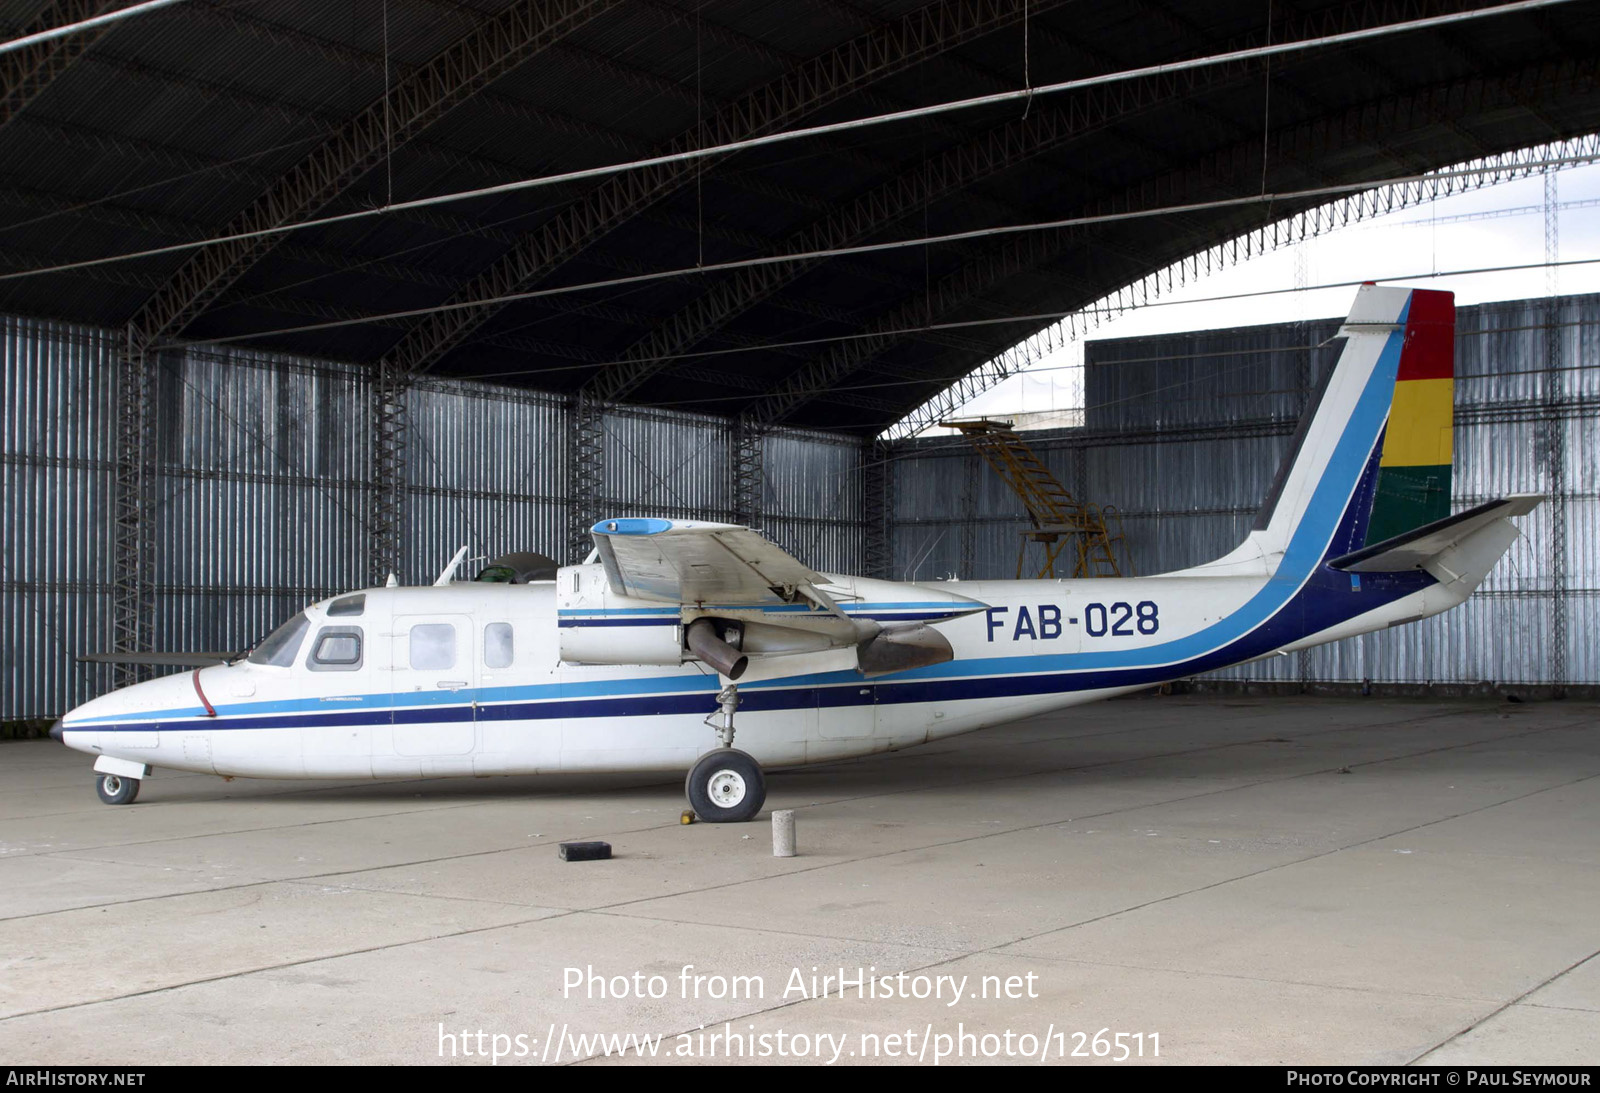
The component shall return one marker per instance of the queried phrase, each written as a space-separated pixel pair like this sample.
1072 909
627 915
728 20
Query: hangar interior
211 419
200 438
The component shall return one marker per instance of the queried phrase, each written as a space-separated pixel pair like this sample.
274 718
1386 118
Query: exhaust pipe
901 647
705 643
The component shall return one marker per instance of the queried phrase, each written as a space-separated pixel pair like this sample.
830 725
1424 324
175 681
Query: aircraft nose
55 731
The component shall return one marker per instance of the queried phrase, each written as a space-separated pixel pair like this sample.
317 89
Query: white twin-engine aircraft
641 660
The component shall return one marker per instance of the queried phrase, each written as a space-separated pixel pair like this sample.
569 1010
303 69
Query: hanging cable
699 139
388 124
84 24
1266 108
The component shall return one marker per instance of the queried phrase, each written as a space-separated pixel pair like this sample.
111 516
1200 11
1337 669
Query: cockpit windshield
282 645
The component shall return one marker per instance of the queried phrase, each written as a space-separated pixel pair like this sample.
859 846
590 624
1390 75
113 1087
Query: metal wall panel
56 565
1177 380
812 499
485 469
668 465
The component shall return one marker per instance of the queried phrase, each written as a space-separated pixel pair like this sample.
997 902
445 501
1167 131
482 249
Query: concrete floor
1257 880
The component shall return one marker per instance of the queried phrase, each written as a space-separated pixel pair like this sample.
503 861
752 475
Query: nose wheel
726 787
114 789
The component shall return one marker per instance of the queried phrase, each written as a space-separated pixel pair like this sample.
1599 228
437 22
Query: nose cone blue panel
632 525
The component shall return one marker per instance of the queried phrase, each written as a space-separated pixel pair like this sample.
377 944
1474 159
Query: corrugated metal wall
1183 434
56 565
264 480
263 493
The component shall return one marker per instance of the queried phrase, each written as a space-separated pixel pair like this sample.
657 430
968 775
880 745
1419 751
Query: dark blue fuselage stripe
885 616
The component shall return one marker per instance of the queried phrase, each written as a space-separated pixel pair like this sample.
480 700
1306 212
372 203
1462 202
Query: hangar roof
212 117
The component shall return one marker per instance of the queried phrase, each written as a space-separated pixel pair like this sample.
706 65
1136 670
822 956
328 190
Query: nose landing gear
726 785
114 789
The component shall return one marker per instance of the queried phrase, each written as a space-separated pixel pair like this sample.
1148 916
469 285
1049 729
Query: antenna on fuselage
449 570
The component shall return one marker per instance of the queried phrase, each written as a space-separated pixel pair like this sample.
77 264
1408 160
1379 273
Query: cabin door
435 660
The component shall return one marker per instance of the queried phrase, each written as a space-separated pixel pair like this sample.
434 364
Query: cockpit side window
337 649
283 644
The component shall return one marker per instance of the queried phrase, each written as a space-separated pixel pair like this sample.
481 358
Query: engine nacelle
900 647
596 626
597 643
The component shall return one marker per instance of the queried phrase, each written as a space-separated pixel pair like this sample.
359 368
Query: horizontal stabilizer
1414 548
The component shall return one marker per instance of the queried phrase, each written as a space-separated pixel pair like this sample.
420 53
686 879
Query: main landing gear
726 786
114 789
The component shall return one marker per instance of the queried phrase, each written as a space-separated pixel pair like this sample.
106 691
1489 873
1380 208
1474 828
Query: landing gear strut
114 789
727 702
726 786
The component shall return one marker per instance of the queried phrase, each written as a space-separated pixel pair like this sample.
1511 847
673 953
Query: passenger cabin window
498 651
337 649
433 645
348 606
283 644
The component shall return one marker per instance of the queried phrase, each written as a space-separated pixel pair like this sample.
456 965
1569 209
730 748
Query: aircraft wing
694 562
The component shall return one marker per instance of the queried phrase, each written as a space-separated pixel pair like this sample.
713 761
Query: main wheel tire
114 789
726 787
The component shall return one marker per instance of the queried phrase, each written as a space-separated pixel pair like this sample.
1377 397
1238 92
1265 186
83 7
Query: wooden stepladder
1061 523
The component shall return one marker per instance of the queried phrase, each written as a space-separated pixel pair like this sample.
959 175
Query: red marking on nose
204 701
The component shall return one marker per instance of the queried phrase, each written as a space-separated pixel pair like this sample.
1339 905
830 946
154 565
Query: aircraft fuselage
500 700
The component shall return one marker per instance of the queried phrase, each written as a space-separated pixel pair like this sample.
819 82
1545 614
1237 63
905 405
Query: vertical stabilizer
1371 459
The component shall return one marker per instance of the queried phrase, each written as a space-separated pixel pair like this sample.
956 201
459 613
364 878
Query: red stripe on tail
1429 352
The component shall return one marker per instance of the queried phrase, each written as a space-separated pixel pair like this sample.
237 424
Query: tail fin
1413 485
1371 459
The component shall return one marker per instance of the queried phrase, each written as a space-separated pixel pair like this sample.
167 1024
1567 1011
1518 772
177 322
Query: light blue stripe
949 605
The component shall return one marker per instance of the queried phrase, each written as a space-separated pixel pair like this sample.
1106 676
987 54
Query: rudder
1413 486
